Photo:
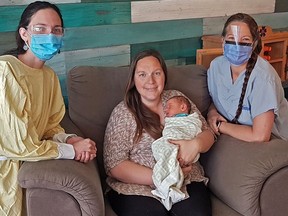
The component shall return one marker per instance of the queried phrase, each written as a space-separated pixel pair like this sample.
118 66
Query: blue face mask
45 46
237 54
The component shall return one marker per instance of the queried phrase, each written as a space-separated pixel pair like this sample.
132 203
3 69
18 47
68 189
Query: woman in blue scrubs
248 97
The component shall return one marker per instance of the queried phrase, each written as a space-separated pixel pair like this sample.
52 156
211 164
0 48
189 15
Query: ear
223 41
183 107
23 34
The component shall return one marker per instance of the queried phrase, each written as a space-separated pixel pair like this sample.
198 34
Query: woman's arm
189 149
260 131
213 118
118 144
130 172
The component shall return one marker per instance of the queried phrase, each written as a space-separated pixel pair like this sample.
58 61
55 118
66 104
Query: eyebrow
250 36
47 25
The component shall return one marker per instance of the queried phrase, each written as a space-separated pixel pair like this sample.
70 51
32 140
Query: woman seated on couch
31 103
248 97
133 126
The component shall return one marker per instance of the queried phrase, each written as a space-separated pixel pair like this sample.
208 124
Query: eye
158 73
58 30
230 38
142 75
39 29
246 39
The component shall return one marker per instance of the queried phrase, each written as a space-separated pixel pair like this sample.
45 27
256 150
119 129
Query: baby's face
173 107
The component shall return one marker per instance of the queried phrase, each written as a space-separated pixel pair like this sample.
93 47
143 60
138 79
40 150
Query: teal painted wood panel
281 6
90 14
275 20
108 56
7 41
9 17
26 2
113 35
74 15
183 49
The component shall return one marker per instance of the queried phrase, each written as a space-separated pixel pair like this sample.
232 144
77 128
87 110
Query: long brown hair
144 117
253 27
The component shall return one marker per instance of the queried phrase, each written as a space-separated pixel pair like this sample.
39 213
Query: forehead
46 16
173 100
147 62
239 28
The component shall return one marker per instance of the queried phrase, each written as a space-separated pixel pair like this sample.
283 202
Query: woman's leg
133 205
198 203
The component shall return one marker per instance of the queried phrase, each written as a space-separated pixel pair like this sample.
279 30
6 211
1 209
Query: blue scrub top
264 92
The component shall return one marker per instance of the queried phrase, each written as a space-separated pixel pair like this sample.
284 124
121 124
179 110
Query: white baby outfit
167 173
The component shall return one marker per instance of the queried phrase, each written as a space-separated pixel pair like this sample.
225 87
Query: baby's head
176 105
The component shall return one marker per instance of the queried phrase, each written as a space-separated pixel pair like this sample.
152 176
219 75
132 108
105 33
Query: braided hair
253 27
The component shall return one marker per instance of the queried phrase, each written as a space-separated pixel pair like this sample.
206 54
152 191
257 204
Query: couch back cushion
94 91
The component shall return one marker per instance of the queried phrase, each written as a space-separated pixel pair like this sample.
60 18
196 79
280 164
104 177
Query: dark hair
145 118
183 99
25 20
253 27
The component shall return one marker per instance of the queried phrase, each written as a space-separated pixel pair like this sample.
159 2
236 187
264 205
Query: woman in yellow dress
31 103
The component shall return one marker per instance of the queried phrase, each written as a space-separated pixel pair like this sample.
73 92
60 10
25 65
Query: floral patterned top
119 146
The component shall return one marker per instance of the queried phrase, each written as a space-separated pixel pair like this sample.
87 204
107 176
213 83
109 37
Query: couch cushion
93 92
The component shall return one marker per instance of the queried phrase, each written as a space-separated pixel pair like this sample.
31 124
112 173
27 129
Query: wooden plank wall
111 32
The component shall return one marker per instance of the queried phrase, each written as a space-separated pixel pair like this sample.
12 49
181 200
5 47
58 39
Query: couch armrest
238 172
80 180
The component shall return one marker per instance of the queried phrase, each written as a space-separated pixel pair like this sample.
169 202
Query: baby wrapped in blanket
167 173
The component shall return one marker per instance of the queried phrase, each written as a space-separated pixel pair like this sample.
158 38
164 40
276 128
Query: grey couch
245 178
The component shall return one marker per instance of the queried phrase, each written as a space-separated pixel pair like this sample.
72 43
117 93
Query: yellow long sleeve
31 108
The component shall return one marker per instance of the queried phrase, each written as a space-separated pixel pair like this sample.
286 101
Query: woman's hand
186 170
74 139
85 157
214 120
188 151
85 149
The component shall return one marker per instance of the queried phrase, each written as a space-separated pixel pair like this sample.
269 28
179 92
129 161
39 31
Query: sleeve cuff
66 151
62 137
